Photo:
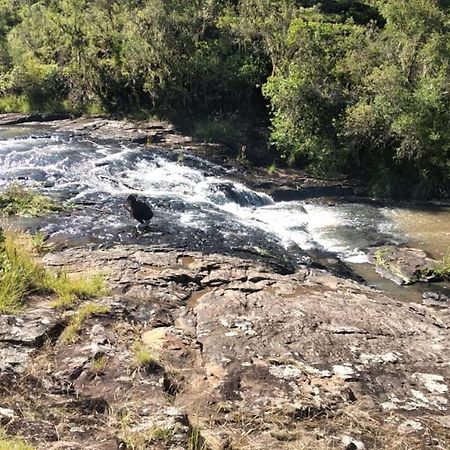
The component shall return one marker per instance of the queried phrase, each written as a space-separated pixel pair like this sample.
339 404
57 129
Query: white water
197 194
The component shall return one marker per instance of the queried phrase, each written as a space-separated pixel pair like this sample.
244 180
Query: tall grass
21 274
442 269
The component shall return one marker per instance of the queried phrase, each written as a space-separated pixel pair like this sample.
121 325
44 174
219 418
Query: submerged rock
402 265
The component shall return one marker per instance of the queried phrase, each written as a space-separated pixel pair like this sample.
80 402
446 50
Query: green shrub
19 201
219 130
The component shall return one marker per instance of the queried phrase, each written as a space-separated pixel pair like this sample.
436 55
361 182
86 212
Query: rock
244 356
410 426
344 372
402 265
6 415
431 298
29 329
20 335
352 444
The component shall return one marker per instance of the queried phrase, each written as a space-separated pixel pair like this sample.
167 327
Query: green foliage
222 130
142 357
19 201
354 87
22 274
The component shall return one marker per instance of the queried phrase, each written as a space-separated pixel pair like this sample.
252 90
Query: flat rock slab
402 265
21 335
242 356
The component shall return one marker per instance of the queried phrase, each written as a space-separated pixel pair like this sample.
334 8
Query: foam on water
88 171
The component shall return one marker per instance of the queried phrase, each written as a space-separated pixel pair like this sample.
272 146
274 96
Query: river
198 207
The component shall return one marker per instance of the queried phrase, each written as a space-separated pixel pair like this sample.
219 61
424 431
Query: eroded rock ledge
243 358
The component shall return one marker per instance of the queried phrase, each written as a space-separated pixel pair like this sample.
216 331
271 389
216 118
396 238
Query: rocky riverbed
242 358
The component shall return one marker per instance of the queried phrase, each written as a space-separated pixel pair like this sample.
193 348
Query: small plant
70 289
98 365
19 201
242 157
196 441
39 244
9 443
142 357
271 170
70 334
442 269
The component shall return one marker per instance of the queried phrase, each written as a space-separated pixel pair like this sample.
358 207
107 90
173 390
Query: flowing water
196 206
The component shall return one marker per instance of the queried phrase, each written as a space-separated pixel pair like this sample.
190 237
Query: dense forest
355 88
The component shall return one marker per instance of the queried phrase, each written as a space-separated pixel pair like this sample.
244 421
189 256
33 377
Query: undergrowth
17 200
22 274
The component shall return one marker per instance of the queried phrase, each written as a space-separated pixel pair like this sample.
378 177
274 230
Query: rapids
196 205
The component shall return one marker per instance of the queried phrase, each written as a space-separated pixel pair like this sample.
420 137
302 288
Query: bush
19 201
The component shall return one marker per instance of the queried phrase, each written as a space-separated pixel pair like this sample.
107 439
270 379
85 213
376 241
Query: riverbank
214 352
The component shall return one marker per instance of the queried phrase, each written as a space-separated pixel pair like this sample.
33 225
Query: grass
70 333
442 269
71 289
22 274
8 443
142 357
19 201
195 440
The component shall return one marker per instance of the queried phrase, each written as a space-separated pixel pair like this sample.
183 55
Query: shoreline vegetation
22 274
341 88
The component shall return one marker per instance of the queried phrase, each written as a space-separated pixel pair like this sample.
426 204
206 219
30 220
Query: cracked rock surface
236 357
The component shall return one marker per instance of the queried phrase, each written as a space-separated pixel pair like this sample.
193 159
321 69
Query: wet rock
402 265
431 298
283 195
